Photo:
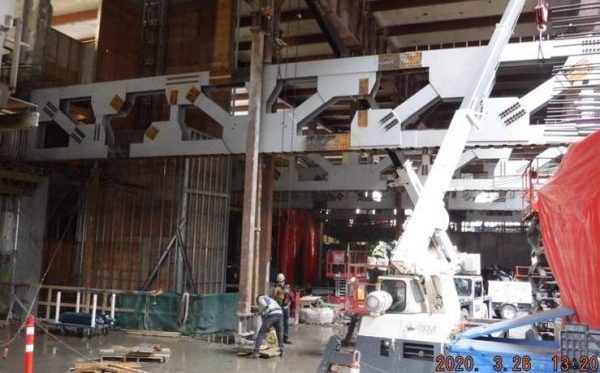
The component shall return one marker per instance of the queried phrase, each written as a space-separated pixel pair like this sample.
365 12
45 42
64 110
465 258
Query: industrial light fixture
377 196
487 197
357 211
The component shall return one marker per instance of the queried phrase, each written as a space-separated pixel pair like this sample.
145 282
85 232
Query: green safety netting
166 312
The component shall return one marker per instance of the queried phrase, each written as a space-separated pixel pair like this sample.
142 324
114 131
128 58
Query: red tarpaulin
311 251
569 210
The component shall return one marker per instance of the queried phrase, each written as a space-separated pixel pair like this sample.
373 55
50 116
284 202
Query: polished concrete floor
187 355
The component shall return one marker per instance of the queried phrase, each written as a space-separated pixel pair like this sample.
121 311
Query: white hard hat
280 277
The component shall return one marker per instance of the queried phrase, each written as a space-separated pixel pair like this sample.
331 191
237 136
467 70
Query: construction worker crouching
281 293
272 317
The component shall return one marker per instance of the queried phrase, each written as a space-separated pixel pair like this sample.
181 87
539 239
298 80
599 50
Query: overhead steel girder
353 176
457 201
281 132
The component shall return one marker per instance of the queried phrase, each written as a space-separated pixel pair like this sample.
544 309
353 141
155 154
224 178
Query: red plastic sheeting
286 233
292 233
298 247
311 251
569 210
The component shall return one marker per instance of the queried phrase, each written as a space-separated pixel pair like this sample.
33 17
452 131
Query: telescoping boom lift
414 313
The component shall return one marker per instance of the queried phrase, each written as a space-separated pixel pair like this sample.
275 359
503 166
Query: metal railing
55 299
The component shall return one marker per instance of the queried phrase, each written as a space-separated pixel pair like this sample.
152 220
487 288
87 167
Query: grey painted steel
372 360
420 227
336 79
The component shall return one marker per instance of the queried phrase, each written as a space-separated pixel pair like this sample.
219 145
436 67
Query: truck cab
407 294
473 302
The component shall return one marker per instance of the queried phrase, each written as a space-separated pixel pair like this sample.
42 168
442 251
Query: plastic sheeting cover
165 312
569 210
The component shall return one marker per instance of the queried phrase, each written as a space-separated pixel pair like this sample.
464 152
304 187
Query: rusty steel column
251 172
268 188
257 236
92 224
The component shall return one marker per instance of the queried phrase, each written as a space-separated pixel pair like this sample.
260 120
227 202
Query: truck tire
508 312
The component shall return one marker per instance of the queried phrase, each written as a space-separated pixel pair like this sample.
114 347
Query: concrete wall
504 249
24 217
28 269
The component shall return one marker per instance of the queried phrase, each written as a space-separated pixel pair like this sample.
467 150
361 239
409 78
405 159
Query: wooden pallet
141 353
105 367
265 354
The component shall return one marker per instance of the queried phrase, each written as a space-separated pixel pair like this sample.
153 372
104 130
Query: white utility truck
508 298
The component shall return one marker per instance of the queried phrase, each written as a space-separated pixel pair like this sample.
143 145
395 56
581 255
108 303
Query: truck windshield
463 286
397 289
478 289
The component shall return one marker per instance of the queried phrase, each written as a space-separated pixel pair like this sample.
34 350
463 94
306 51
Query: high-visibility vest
268 306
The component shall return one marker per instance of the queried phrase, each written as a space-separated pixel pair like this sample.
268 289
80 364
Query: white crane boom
409 254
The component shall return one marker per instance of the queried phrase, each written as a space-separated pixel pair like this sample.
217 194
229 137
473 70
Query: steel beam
282 132
331 33
386 5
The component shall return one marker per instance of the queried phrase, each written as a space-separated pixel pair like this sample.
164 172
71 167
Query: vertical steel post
57 314
16 55
183 213
94 309
89 263
251 171
320 259
256 280
268 188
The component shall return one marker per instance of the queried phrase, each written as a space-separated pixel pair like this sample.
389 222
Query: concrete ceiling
62 7
408 23
76 18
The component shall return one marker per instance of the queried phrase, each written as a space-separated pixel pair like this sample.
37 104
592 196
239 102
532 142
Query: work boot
281 352
255 355
287 341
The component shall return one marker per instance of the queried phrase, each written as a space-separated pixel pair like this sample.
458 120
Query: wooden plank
154 333
142 352
101 367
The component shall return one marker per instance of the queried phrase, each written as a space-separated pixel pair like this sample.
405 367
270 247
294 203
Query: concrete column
268 188
9 228
30 246
251 172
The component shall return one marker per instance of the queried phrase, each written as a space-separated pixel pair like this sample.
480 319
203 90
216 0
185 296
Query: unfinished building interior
405 185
